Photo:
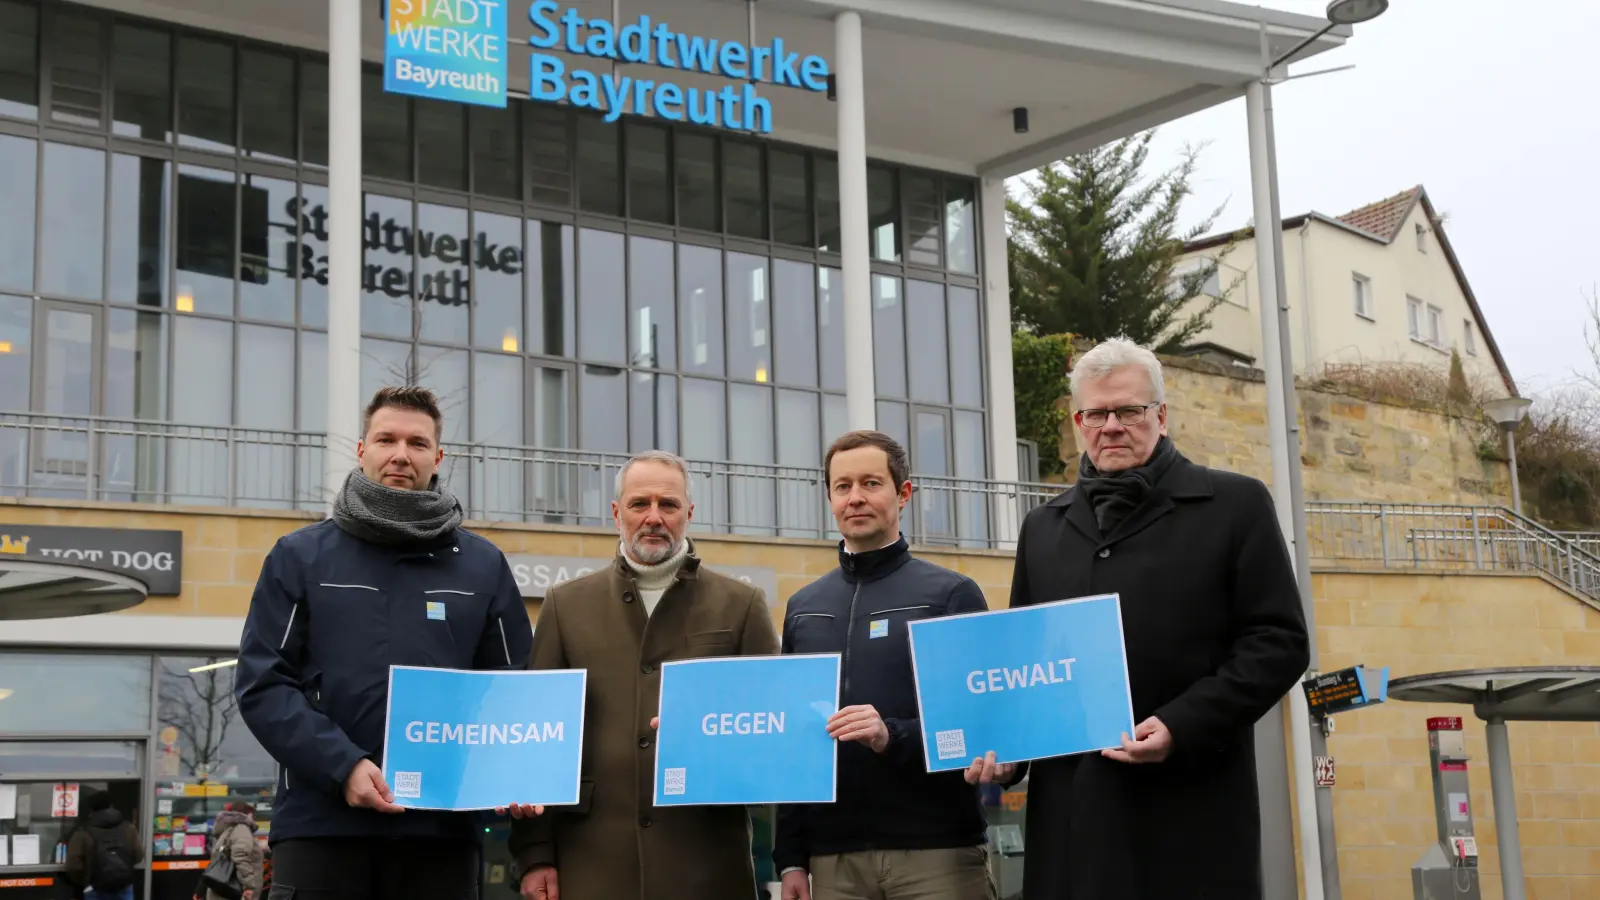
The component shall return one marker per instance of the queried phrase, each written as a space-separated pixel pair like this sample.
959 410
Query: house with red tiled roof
1377 284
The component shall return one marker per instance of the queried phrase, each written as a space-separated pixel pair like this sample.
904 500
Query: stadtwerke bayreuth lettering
642 41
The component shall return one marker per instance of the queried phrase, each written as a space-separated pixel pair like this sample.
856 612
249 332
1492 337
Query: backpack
111 870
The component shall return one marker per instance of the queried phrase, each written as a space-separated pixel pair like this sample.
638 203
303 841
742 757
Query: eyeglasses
1127 415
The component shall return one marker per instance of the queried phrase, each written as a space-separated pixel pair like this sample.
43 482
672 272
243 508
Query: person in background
896 831
1215 637
391 579
103 856
654 603
234 835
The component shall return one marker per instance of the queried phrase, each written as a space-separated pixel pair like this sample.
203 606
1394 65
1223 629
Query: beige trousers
961 873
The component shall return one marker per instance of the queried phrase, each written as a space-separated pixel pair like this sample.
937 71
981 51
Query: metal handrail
147 461
1443 536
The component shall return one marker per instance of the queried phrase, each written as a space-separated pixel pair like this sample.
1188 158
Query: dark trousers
373 869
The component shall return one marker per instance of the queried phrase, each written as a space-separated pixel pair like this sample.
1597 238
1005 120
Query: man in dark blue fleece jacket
896 832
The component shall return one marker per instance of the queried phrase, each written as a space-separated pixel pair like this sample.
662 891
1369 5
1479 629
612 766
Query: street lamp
1508 413
1318 846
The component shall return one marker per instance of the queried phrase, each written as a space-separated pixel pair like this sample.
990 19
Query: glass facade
563 283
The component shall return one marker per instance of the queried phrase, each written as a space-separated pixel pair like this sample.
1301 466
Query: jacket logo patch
879 628
436 610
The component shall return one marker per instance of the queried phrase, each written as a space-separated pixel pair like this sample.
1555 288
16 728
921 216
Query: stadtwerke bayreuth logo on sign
446 50
736 105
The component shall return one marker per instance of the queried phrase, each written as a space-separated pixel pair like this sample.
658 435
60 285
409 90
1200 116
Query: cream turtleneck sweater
654 580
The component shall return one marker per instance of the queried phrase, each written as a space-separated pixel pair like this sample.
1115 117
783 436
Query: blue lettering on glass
655 43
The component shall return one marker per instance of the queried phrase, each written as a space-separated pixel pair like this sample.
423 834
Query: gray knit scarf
393 517
1116 495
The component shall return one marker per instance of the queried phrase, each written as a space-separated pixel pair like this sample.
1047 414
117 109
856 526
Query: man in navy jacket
896 832
390 579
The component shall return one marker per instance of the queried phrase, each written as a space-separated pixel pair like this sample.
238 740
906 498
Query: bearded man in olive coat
655 603
1215 636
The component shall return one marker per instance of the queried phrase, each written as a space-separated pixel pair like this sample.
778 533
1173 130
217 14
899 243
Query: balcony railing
137 461
1449 538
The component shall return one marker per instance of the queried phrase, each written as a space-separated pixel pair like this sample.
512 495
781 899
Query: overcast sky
1493 106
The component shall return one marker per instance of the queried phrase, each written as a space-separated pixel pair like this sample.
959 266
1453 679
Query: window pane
314 382
960 234
795 318
752 498
969 441
925 321
383 364
206 216
699 203
497 400
704 421
552 309
202 370
653 417
599 179
444 249
552 408
931 456
314 111
893 422
267 249
744 182
74 221
312 252
749 318
700 300
140 198
445 373
136 364
651 313
16 330
549 154
922 218
212 741
602 398
799 443
496 151
966 348
60 692
827 169
601 302
441 144
19 60
835 420
830 318
883 213
266 91
77 74
649 178
141 83
791 198
386 280
385 130
205 94
266 400
888 337
497 282
19 168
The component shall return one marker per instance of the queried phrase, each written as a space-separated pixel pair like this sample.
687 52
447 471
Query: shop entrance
46 790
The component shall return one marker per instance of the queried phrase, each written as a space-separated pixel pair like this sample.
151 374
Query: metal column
344 241
850 94
1504 793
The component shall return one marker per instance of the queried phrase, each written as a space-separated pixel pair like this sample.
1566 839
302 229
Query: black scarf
394 517
1118 494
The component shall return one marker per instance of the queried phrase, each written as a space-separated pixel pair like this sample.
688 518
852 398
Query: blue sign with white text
459 740
736 105
1028 683
747 730
446 50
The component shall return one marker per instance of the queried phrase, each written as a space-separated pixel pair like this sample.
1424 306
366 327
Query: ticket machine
1449 870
